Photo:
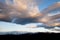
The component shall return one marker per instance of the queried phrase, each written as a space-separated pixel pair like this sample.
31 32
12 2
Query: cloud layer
21 9
27 11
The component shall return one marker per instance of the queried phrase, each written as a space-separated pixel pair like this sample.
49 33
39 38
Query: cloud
10 27
28 7
31 27
52 7
27 11
22 9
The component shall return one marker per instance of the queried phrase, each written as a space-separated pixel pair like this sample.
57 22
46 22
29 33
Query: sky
23 7
44 3
10 27
47 3
7 27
